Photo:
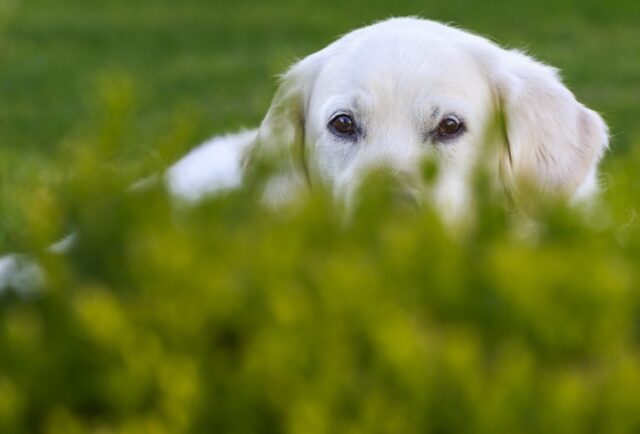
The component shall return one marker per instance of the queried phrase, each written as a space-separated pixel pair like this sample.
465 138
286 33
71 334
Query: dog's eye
449 126
343 124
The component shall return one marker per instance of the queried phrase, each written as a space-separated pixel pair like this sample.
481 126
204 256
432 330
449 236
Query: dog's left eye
343 124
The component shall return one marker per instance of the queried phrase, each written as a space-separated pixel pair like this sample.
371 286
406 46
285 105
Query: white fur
20 273
399 78
211 167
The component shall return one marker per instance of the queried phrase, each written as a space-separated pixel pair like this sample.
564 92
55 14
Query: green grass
221 57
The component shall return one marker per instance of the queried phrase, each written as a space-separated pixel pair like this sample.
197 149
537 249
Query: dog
394 95
401 92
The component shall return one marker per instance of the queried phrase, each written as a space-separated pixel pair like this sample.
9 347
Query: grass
221 57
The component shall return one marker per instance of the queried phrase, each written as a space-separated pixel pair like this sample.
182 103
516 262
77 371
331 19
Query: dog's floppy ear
553 143
281 136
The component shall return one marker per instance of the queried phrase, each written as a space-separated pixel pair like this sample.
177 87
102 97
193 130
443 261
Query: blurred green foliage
228 317
231 318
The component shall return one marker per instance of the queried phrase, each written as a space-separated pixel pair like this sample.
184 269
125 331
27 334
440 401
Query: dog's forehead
401 55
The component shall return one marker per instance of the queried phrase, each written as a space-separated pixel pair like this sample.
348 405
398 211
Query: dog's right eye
450 126
343 124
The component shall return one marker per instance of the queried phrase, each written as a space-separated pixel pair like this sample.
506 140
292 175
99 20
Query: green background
220 57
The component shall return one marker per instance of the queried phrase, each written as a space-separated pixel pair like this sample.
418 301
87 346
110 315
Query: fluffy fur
398 79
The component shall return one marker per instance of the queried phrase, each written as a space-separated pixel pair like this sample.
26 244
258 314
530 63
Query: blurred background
220 58
229 318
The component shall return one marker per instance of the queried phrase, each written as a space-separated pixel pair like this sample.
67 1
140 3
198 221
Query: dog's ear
281 136
553 143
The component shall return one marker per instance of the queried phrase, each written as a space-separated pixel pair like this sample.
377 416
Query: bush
231 318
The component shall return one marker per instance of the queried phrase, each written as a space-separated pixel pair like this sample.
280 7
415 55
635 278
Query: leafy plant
228 317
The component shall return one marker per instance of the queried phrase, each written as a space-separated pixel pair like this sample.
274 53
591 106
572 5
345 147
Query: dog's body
215 165
408 90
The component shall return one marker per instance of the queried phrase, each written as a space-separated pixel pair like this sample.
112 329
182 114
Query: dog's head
403 91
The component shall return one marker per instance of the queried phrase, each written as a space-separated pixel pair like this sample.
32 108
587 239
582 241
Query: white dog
403 91
396 94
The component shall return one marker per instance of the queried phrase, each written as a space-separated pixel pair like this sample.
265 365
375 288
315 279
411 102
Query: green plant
231 318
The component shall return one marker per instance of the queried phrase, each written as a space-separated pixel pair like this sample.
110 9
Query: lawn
220 58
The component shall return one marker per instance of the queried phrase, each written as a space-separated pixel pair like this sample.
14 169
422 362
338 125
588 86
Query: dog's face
404 91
